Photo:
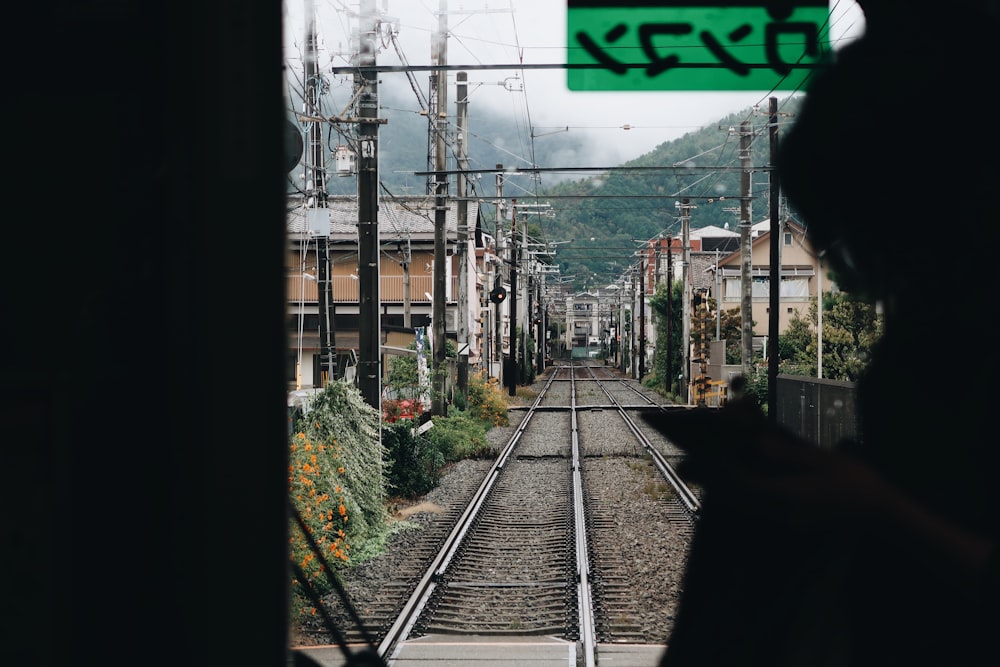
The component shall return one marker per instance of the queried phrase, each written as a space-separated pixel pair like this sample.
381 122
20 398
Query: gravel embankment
647 535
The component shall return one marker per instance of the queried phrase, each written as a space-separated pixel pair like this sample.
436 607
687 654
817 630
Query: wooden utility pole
439 56
746 251
369 322
462 139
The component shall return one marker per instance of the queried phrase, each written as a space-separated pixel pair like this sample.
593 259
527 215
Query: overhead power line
384 69
531 170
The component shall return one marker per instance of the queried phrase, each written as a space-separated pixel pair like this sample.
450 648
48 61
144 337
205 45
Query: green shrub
486 403
335 479
458 436
414 461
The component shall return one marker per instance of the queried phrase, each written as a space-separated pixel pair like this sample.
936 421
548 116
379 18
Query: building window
788 238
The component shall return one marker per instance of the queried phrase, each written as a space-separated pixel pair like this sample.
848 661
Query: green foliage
659 306
731 331
458 436
336 484
851 328
404 380
414 462
608 209
757 383
486 402
526 367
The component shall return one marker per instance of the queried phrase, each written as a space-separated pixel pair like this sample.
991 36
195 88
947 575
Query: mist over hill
598 218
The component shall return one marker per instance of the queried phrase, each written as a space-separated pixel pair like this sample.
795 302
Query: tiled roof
397 216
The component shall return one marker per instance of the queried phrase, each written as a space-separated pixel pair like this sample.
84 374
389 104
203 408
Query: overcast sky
490 32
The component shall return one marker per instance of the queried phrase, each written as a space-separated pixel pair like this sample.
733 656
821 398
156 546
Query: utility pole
685 300
317 202
407 298
462 138
439 48
642 316
369 323
746 251
775 274
540 336
512 373
670 315
501 257
633 369
718 297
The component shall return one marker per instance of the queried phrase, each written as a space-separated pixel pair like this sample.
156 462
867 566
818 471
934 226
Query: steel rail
411 611
685 495
588 631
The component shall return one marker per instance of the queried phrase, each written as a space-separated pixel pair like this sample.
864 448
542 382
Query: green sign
695 44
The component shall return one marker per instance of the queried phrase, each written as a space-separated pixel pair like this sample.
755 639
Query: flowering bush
486 403
335 480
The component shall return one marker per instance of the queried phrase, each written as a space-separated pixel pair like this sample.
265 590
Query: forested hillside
598 218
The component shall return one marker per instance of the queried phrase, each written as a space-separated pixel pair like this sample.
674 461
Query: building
801 274
406 269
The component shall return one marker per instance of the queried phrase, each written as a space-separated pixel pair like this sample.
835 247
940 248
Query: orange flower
341 470
343 510
302 435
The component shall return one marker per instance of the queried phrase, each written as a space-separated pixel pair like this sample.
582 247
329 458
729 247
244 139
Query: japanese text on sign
695 44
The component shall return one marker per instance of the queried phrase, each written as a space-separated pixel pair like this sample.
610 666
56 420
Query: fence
822 411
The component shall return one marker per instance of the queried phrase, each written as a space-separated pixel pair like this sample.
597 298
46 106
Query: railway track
545 545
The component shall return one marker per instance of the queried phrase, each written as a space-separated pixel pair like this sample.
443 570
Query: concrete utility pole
642 316
775 274
462 101
319 214
746 250
513 371
407 298
670 315
439 56
685 300
369 322
501 261
540 336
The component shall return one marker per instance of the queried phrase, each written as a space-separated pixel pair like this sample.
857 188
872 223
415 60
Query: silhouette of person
882 551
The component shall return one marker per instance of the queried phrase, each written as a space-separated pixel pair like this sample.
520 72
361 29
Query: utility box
344 159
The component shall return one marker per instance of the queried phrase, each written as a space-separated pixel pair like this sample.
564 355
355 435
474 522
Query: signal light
498 294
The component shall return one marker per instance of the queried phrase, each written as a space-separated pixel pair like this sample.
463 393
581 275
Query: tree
659 306
731 331
851 327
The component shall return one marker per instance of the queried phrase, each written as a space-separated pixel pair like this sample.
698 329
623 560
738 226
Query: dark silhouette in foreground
880 551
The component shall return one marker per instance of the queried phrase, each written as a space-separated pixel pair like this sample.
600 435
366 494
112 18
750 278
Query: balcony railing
345 289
